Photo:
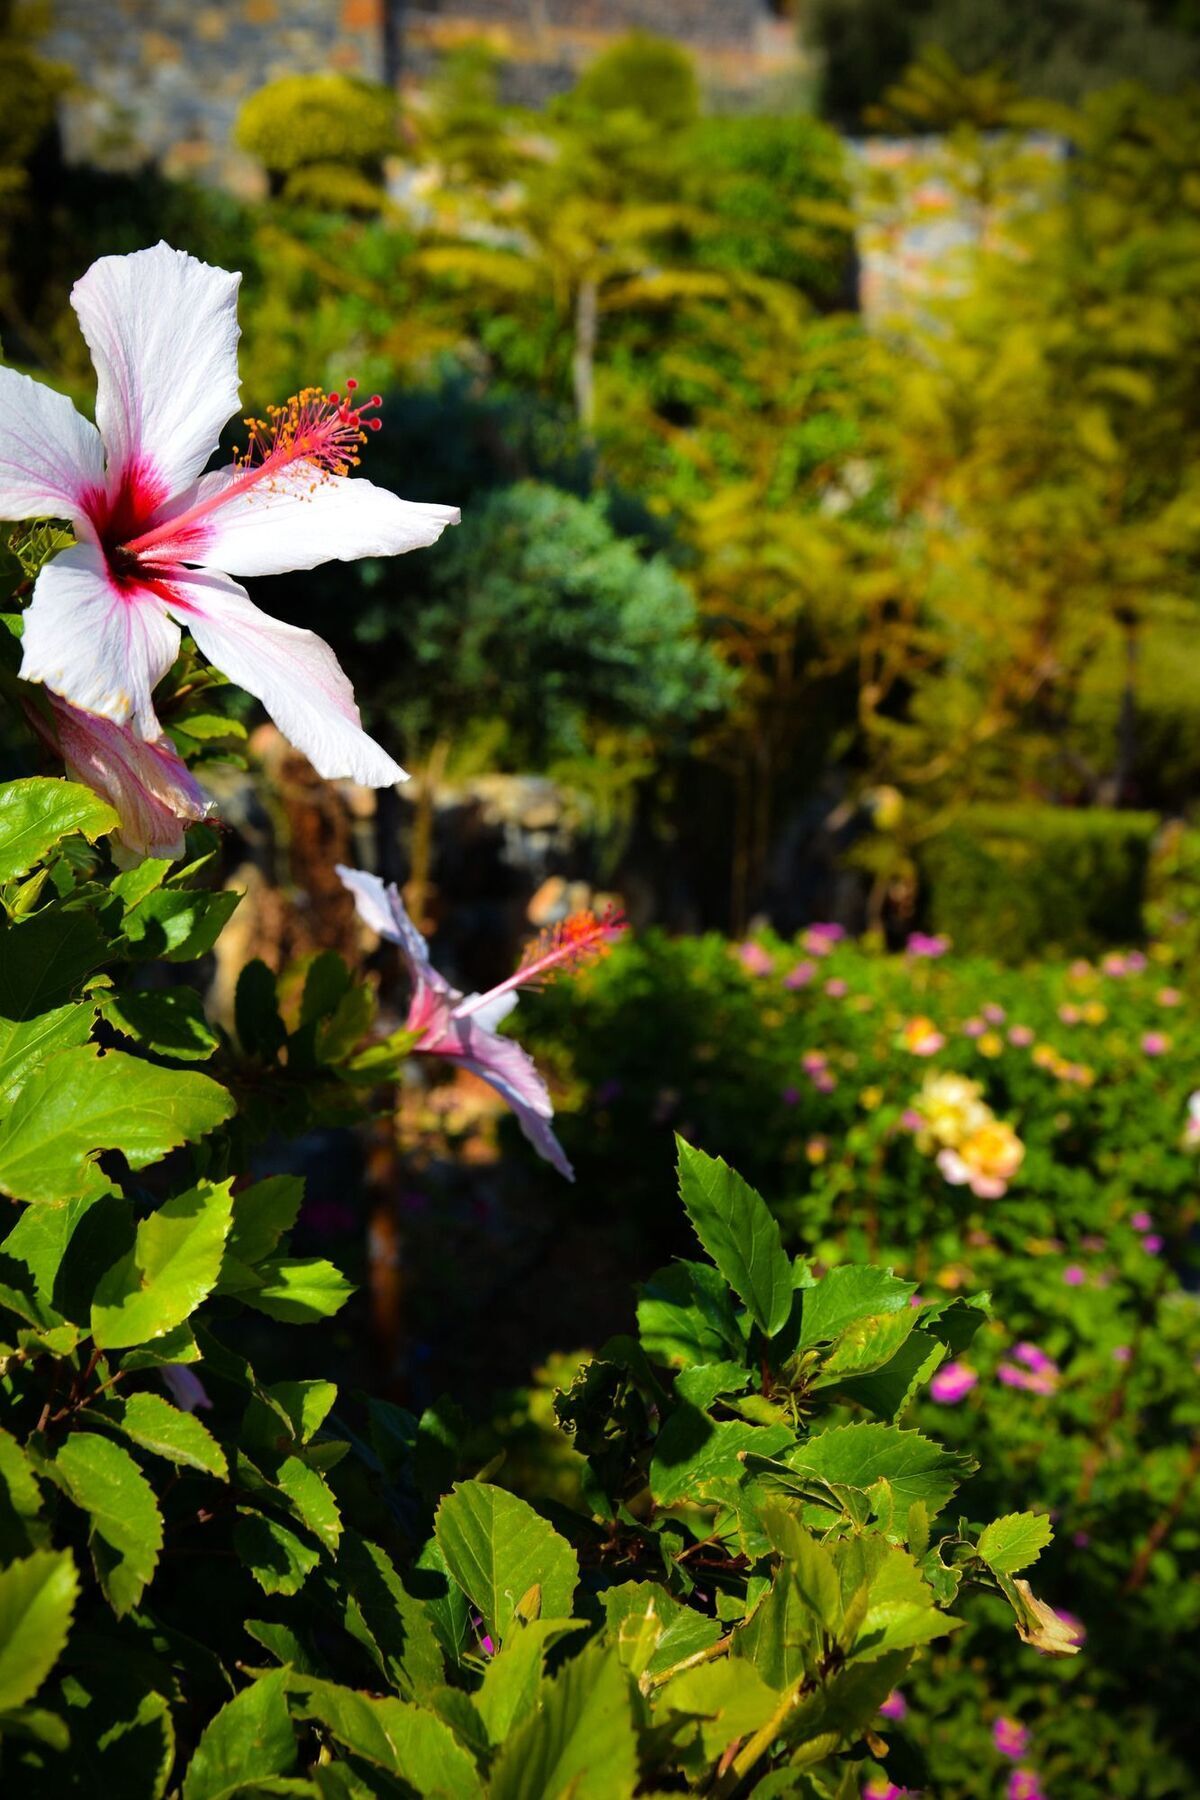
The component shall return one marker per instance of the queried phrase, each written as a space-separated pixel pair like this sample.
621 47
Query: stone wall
162 80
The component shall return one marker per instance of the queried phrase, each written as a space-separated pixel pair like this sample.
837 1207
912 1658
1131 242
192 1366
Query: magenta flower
1121 1353
920 943
1115 964
1074 1276
1021 1036
791 1096
462 1028
1025 1784
1135 962
824 1082
952 1383
1041 1380
1155 1043
158 540
754 959
1034 1358
837 989
1169 996
1152 1243
148 784
1142 1221
1069 1014
800 976
1010 1737
974 1028
895 1706
813 1061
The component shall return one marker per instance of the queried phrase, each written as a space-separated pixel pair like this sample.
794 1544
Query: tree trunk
583 361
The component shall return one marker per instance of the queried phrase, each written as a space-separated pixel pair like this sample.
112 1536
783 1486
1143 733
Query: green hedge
1016 882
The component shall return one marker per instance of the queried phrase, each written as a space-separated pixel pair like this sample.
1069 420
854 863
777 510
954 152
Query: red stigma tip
351 383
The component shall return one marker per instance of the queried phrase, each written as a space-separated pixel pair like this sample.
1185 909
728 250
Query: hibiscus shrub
215 1583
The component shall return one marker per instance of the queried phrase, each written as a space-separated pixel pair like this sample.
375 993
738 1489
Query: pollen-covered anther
581 939
325 431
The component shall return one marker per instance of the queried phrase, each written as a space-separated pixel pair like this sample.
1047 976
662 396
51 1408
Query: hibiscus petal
50 456
152 789
293 672
381 909
163 332
504 1065
300 518
102 646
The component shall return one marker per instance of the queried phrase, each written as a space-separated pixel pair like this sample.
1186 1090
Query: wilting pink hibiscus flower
159 541
150 787
462 1027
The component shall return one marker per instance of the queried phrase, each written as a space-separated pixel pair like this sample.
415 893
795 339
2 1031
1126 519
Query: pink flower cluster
952 1383
1031 1370
1143 1223
920 943
820 939
816 1066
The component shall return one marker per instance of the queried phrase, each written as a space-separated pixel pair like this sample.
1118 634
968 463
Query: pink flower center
316 432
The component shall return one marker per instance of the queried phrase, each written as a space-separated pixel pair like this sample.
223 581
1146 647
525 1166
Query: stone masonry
162 80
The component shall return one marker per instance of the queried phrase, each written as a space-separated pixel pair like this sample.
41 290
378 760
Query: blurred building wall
162 80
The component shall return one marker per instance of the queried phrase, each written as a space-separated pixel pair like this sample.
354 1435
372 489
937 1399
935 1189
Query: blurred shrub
1024 881
775 190
321 138
643 74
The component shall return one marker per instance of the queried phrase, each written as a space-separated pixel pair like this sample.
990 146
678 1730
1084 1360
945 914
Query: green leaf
24 1043
865 1345
35 814
811 1566
778 1633
261 1032
730 1699
857 1456
250 1738
177 1346
279 1561
691 1450
170 1022
37 1599
735 1227
311 1501
887 1391
899 1612
652 1632
513 1677
685 1316
44 960
497 1548
261 1215
126 1532
393 1626
172 1267
179 924
155 1425
399 1738
81 1102
1013 1542
297 1290
850 1294
581 1744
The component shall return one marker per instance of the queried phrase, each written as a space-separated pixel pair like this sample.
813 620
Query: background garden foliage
810 615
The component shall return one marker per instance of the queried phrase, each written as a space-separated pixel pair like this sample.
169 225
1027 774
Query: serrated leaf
126 1528
811 1566
652 1631
739 1233
513 1677
311 1500
730 1699
24 1043
779 1632
179 924
251 1738
497 1548
155 1425
692 1449
278 1559
172 1267
80 1103
580 1744
297 1290
35 814
261 1215
385 1617
848 1295
44 960
865 1345
169 1021
887 1391
1014 1541
37 1600
395 1736
856 1456
685 1317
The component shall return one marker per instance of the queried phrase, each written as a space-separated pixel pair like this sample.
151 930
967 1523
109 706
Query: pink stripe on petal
50 457
101 644
150 787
